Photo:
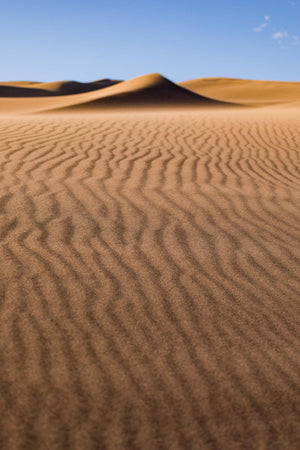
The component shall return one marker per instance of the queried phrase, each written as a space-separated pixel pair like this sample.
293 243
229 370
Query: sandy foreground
149 291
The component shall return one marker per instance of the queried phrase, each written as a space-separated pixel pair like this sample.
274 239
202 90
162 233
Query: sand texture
150 278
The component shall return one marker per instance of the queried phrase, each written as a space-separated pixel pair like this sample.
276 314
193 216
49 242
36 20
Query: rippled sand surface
150 280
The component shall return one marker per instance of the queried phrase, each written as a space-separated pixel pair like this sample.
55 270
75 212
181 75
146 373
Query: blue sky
85 40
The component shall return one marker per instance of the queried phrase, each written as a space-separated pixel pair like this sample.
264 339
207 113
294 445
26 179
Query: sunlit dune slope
245 91
19 83
143 91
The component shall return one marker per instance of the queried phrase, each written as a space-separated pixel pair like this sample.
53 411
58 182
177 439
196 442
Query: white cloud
280 35
262 26
284 43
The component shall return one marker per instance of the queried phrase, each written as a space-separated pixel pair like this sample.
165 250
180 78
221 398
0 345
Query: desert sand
249 92
149 266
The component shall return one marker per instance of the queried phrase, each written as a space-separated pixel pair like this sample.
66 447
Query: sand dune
144 91
151 90
245 91
150 277
35 89
19 83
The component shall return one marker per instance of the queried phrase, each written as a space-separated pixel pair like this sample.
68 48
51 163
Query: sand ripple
150 280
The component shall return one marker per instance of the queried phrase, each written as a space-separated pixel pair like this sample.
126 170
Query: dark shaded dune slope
12 91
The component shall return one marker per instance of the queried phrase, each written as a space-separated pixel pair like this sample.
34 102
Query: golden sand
149 277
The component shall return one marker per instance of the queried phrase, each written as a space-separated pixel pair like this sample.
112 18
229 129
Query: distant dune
245 91
152 90
36 89
144 91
